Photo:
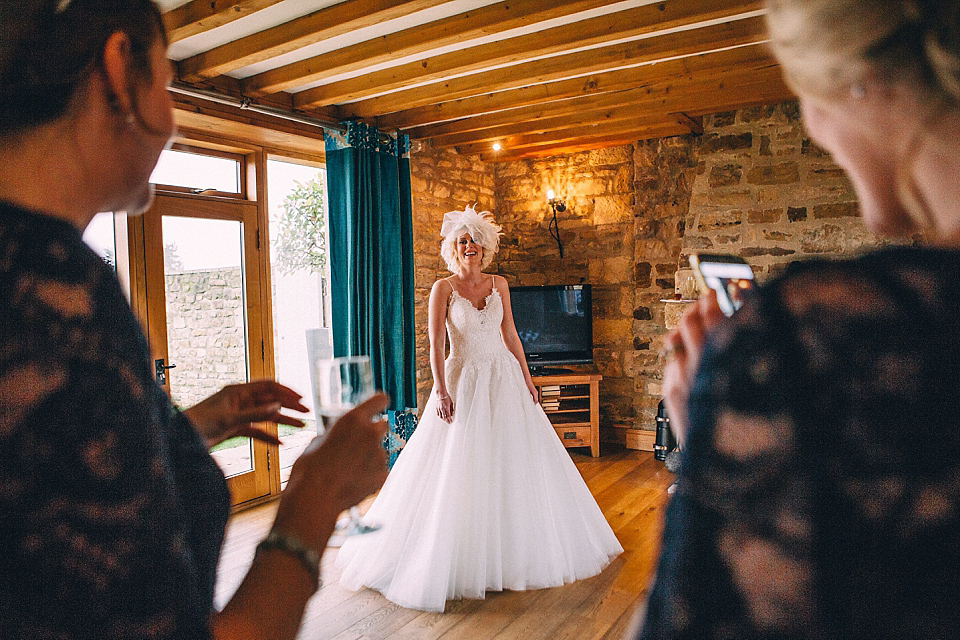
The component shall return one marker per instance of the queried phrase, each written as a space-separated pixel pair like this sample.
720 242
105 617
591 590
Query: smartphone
730 276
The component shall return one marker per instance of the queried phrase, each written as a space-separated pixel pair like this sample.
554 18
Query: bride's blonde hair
481 228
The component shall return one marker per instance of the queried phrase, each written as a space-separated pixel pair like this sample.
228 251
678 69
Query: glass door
203 314
300 287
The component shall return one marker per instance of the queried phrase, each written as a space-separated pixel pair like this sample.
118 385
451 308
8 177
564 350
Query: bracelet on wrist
294 547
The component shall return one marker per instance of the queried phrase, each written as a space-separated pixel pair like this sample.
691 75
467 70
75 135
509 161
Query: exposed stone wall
597 231
441 181
767 193
760 190
665 176
752 184
205 335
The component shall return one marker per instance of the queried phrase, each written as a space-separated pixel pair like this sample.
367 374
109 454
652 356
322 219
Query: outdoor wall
205 336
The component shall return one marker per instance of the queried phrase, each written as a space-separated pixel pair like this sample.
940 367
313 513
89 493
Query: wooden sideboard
572 403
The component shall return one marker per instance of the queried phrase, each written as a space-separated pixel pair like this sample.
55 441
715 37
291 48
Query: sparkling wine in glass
339 385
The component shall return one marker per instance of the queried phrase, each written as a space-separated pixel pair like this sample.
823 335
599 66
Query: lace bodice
475 333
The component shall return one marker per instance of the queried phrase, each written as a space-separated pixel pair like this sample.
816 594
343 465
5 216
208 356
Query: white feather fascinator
480 226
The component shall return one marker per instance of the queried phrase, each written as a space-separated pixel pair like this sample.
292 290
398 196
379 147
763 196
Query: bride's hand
445 407
532 388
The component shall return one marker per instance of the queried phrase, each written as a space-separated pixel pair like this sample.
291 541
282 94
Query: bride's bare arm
437 331
508 331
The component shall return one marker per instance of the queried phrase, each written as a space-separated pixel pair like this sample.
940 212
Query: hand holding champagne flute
339 385
334 472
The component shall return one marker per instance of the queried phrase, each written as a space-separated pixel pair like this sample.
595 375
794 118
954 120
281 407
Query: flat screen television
555 324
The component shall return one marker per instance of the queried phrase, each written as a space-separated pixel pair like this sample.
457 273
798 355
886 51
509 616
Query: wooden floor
630 487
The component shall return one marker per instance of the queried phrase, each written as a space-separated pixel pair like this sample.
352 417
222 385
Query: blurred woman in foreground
820 489
112 512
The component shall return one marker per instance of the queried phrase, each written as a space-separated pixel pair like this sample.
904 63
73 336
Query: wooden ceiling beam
664 98
576 135
622 24
200 16
640 52
694 122
329 22
561 143
581 118
484 21
230 86
585 144
628 110
572 135
454 116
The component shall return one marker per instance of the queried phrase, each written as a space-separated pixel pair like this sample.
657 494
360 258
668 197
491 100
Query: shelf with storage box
572 403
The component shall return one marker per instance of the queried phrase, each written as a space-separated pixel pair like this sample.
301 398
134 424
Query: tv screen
555 323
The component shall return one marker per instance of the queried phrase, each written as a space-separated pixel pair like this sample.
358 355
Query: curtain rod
245 103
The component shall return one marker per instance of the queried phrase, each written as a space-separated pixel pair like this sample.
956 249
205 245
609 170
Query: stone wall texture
597 233
205 332
752 185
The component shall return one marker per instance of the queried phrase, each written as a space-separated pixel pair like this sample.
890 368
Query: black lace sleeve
111 512
820 489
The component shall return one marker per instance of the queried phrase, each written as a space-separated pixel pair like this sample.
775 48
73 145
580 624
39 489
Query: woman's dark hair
51 46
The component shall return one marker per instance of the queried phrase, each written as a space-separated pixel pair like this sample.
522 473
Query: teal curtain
371 256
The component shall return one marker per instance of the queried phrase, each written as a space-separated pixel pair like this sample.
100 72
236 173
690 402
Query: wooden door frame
146 277
130 240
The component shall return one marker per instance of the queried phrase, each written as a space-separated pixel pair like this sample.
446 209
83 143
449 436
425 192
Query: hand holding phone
730 276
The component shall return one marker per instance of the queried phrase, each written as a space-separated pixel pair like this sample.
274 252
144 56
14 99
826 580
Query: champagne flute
339 385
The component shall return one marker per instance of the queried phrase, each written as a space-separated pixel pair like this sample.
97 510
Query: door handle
161 371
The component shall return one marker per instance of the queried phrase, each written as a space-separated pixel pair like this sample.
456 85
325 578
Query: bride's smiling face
468 251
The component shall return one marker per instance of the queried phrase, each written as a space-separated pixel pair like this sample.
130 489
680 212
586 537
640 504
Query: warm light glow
550 194
496 146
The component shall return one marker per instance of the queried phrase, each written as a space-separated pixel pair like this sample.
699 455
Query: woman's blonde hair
827 46
481 228
831 47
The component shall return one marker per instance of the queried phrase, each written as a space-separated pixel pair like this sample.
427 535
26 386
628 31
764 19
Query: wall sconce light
558 206
496 146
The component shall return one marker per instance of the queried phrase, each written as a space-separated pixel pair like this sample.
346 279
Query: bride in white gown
483 497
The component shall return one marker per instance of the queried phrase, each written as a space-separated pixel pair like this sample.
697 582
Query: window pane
299 275
206 320
99 236
196 171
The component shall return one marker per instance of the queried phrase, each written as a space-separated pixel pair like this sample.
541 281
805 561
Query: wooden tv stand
572 403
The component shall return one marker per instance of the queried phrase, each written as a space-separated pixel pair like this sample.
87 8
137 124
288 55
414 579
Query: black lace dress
820 490
112 512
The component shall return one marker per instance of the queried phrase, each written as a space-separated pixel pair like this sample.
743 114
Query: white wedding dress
490 502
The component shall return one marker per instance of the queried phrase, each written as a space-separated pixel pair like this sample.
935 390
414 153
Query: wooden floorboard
630 487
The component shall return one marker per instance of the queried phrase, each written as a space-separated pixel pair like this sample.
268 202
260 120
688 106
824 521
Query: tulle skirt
490 502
